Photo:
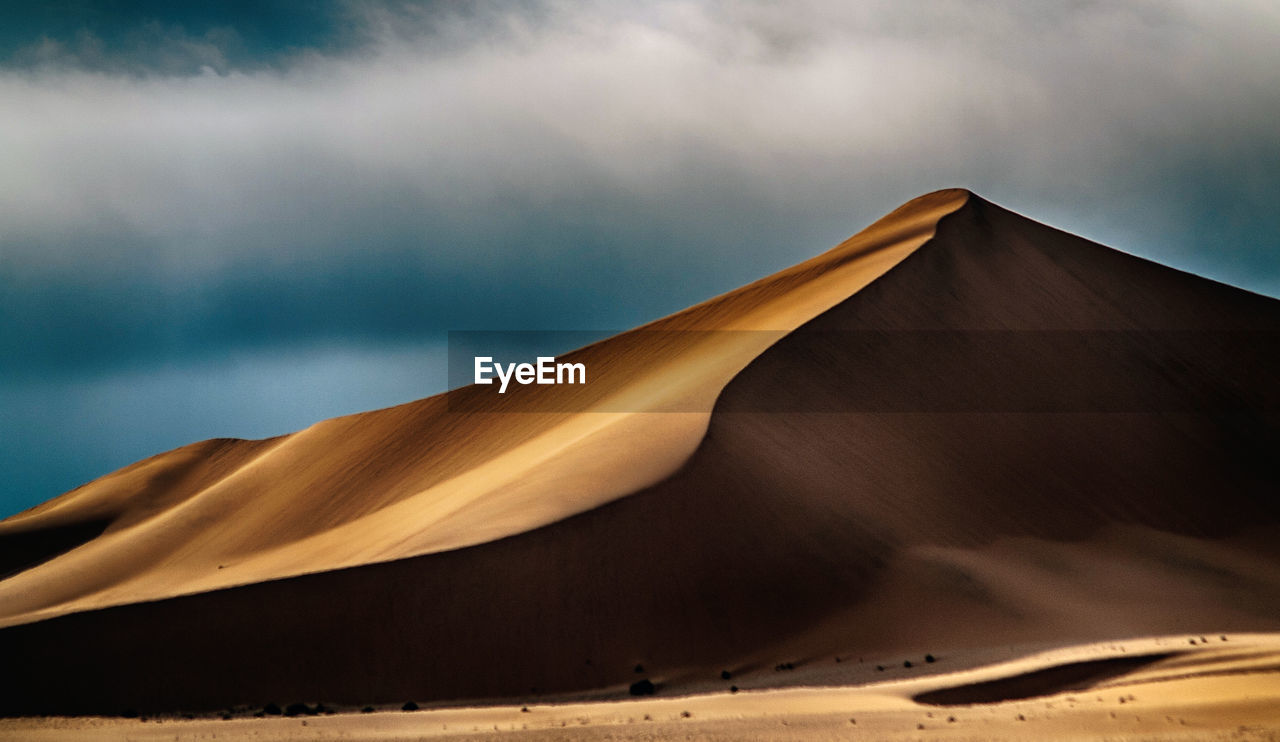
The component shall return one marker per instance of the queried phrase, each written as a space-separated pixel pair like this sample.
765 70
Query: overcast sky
237 218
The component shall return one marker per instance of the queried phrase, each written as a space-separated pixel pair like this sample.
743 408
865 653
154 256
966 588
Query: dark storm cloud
184 182
167 37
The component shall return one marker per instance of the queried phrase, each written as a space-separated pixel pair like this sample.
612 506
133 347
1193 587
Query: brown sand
536 556
416 479
1225 689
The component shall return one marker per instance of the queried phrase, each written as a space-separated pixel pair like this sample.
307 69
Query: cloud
152 47
210 185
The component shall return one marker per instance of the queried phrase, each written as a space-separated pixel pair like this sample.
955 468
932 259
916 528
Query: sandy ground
1220 687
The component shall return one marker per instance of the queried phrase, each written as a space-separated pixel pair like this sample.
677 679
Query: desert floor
1156 688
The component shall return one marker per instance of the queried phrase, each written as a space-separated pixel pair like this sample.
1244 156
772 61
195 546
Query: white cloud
819 114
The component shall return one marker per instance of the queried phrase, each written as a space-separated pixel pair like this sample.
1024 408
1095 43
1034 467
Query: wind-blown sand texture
1227 688
958 430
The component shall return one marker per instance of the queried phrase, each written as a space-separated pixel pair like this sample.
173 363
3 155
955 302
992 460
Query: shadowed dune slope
1012 434
1072 676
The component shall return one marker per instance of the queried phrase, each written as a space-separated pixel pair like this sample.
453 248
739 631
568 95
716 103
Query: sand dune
959 429
416 479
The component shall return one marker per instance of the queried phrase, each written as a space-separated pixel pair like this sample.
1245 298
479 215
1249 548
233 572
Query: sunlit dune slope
416 478
1010 434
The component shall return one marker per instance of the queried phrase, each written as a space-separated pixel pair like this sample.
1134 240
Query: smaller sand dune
1072 676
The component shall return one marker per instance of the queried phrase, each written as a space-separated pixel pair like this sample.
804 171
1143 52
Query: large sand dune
958 429
417 478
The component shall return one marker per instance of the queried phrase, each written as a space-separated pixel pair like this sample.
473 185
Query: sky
238 218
